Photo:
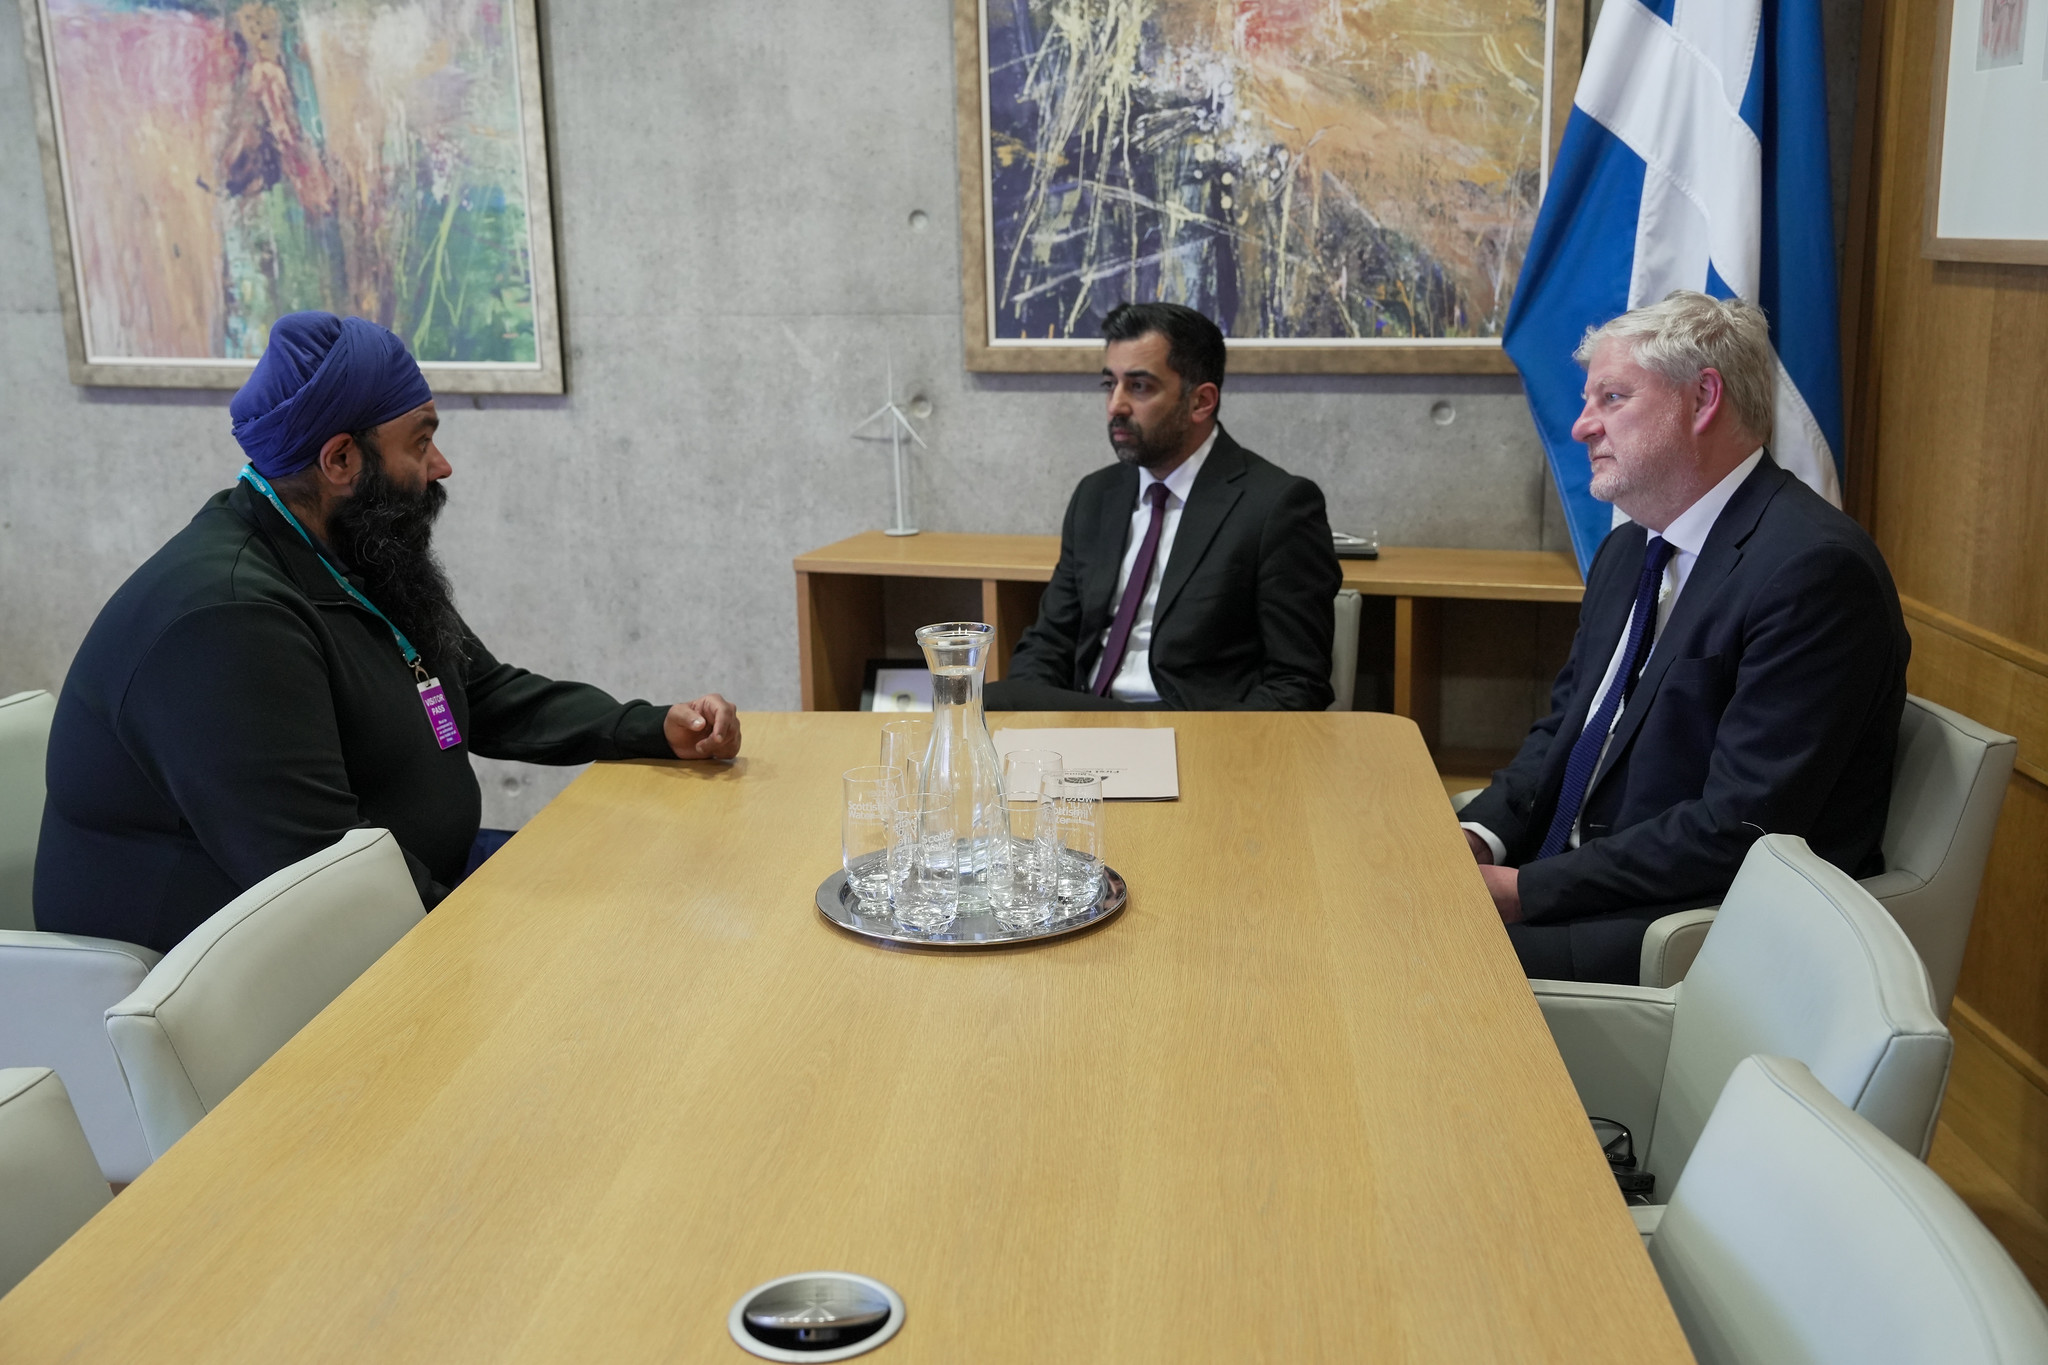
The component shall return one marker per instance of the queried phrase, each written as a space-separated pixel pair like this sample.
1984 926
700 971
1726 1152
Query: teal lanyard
262 485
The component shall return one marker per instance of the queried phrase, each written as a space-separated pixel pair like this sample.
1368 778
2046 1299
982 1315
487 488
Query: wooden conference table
1295 1104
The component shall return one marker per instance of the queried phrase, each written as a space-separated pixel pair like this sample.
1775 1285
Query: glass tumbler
924 871
1025 770
1070 830
905 742
867 795
1020 892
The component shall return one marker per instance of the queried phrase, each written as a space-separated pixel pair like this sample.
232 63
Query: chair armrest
1896 882
1614 1040
166 1102
50 1183
1671 943
54 994
1647 1217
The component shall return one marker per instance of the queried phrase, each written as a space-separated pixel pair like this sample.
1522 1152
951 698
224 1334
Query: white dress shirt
1133 680
1687 536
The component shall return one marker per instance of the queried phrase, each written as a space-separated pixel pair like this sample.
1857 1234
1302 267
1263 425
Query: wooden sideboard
840 625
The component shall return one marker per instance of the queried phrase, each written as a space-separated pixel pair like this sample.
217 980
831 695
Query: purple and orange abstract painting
1331 170
225 162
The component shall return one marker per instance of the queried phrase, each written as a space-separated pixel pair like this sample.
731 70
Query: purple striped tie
1134 593
1585 756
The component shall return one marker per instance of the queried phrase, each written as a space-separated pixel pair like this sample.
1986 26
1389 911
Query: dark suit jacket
1244 618
1771 704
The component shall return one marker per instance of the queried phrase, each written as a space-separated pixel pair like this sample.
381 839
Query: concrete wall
737 193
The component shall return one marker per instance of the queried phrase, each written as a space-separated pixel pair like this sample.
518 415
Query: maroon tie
1134 593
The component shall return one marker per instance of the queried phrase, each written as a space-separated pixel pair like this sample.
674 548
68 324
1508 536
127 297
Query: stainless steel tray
979 930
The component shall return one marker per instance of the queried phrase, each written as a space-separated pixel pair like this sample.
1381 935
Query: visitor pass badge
436 702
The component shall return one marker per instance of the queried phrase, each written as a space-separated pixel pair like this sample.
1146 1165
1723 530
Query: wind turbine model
899 427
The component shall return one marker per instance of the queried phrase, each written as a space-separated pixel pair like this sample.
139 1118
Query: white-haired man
1739 668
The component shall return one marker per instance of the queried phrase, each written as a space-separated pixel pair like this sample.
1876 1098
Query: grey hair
1688 333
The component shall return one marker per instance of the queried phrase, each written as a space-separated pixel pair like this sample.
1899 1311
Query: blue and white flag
1696 157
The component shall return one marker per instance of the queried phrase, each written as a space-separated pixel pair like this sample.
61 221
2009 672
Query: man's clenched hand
708 727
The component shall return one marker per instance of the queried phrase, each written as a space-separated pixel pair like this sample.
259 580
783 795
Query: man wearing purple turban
291 666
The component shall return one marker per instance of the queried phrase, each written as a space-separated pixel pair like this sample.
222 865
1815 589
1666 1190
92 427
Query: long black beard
385 533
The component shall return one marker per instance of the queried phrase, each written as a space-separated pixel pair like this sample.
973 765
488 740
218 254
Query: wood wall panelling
1992 1142
1958 402
2006 963
1947 389
1991 680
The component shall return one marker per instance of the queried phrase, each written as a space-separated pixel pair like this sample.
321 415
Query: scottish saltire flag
1696 157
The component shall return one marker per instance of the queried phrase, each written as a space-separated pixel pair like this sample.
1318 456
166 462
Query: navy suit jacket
1770 704
1245 614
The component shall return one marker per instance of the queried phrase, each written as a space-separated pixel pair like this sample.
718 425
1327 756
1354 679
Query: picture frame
179 240
1078 350
896 685
1989 114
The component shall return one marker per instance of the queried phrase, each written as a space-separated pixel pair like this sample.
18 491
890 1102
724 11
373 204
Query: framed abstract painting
214 164
1345 186
1986 198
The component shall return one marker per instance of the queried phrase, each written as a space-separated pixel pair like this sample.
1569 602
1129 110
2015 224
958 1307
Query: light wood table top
1400 571
938 554
1295 1104
1495 575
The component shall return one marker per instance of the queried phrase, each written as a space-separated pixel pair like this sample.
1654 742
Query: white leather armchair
253 974
1799 1235
24 739
49 1180
1948 786
1804 964
54 994
55 988
1344 649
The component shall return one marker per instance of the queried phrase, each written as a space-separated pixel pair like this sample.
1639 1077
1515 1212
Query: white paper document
1136 765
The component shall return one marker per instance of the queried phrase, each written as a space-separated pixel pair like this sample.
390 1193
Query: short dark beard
1158 446
385 533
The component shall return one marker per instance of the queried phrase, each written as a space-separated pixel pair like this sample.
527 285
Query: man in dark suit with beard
1193 575
291 666
1739 669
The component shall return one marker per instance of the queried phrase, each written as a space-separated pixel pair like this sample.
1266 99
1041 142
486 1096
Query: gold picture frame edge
1934 246
1085 357
1568 20
547 377
34 55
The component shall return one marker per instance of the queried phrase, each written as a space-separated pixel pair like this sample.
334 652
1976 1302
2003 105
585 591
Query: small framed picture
1986 197
896 685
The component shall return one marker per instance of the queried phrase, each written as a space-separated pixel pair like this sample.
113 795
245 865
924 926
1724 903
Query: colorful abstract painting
1357 171
225 162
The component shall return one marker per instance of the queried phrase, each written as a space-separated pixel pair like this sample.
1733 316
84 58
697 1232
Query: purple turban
319 377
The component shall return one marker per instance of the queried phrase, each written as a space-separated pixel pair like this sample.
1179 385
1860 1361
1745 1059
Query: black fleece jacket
232 711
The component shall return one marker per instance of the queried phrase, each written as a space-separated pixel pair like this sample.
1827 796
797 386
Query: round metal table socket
821 1315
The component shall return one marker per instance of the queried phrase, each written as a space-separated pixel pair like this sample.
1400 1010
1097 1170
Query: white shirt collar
1183 477
1687 533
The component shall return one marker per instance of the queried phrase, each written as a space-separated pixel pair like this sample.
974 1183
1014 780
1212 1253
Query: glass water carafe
961 762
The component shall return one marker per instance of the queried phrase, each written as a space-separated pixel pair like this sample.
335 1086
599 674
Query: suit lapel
1718 558
1217 488
1112 530
1605 636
